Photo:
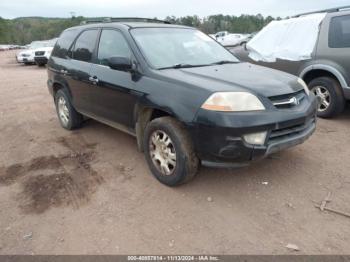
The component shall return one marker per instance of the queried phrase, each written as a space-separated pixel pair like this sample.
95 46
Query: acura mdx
186 99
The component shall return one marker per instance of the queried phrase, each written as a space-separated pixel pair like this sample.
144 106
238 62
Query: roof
330 10
130 25
143 24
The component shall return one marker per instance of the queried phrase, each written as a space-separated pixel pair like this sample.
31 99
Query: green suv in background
327 73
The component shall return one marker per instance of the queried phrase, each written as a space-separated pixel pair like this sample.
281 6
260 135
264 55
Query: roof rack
330 10
123 19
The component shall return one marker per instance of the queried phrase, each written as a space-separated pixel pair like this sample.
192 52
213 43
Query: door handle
93 79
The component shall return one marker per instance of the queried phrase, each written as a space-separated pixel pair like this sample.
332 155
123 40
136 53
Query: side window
339 32
64 42
84 46
112 43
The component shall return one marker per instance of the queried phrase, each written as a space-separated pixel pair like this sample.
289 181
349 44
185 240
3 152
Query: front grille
288 101
288 132
39 53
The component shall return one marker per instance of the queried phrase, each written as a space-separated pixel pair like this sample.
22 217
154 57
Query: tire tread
76 119
336 93
191 160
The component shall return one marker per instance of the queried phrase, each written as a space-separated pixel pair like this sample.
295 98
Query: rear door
59 60
79 67
334 43
114 96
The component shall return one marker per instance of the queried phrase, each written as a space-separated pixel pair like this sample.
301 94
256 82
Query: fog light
256 138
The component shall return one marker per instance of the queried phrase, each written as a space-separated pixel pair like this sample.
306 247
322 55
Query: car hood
237 77
26 52
43 49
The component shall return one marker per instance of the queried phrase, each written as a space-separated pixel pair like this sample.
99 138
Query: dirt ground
90 191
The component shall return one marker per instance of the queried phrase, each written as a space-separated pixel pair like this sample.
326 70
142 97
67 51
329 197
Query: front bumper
19 59
41 60
27 59
218 136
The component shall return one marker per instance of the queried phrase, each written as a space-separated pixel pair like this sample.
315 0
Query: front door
113 95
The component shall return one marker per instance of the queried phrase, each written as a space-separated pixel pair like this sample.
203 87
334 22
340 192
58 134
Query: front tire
169 151
329 91
69 118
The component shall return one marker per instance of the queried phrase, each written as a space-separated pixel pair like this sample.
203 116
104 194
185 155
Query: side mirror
120 63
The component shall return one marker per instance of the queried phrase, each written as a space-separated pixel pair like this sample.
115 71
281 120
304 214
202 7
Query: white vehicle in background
227 39
221 34
27 56
233 39
4 48
42 55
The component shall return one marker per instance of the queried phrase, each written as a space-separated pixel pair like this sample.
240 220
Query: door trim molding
118 126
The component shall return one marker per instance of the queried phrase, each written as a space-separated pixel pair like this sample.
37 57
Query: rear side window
339 32
112 43
85 45
63 43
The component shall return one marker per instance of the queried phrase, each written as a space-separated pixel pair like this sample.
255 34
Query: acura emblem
294 101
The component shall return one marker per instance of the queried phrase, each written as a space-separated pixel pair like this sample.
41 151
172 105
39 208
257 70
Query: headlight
301 81
233 102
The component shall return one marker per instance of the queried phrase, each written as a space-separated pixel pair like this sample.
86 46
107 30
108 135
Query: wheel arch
59 85
143 115
313 71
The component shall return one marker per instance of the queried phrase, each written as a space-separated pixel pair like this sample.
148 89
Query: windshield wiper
177 66
222 62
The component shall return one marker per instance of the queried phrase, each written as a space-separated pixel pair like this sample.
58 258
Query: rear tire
69 118
332 98
169 152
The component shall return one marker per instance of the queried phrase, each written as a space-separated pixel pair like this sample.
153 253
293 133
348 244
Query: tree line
24 30
216 23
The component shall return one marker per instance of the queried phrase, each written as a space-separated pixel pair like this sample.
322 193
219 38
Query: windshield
173 47
51 43
35 45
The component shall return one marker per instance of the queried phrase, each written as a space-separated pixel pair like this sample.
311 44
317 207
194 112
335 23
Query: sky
160 8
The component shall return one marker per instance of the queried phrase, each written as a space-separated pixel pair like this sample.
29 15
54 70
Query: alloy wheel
162 152
63 111
325 98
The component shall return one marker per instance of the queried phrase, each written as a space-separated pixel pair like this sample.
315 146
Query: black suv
185 97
